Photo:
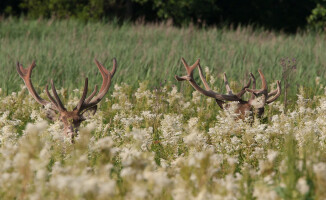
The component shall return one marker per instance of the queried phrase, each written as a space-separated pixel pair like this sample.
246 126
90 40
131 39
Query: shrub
317 19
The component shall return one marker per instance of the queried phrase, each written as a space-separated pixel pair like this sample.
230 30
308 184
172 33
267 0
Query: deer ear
89 112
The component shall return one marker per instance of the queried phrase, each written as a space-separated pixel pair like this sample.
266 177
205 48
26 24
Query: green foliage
60 9
64 50
317 19
185 11
288 16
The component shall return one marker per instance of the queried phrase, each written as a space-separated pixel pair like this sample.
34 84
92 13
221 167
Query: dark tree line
286 15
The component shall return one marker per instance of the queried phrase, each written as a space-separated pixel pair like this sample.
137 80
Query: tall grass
64 51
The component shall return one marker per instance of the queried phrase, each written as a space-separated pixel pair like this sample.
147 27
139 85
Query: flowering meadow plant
163 143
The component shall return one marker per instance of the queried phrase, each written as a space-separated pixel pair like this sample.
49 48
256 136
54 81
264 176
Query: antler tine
274 91
243 90
182 78
25 74
263 80
104 73
189 70
278 93
184 62
107 77
91 96
101 94
114 67
56 96
228 89
82 99
263 87
202 77
192 67
186 66
239 95
21 71
189 77
51 98
207 92
253 85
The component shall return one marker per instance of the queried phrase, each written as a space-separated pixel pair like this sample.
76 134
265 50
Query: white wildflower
302 186
271 155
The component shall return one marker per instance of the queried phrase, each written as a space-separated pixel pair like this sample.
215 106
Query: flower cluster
162 144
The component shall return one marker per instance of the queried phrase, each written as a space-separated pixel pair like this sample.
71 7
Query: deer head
56 110
259 97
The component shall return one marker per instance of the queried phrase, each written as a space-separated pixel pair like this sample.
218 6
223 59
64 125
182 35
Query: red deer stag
259 97
71 119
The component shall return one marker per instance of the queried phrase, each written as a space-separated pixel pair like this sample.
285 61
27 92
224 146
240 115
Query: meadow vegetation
158 144
153 137
64 51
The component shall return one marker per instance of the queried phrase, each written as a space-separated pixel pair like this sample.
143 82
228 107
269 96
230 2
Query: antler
276 93
253 85
263 89
91 101
25 74
84 103
270 97
70 119
243 106
228 89
56 102
208 92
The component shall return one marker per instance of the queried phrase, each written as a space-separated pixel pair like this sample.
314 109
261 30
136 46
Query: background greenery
64 50
286 15
65 36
